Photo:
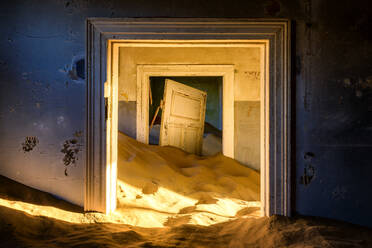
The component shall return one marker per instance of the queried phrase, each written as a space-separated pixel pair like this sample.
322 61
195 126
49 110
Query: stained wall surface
247 133
246 61
43 97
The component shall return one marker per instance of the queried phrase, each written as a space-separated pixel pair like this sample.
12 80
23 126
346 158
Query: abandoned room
185 123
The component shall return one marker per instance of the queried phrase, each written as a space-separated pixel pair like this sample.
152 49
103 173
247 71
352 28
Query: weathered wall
41 95
127 113
247 133
245 60
246 63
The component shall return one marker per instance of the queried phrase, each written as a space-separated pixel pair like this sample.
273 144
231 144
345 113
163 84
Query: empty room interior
185 123
179 172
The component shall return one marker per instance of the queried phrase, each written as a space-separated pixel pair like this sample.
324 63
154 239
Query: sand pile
164 186
30 227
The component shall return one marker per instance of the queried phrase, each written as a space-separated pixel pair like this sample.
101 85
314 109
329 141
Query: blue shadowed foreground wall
42 110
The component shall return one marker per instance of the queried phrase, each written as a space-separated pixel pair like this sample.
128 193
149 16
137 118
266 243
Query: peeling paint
253 74
30 143
360 86
309 170
71 149
124 96
309 155
64 69
307 177
77 71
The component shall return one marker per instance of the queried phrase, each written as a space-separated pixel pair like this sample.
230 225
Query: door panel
183 117
174 131
191 109
191 140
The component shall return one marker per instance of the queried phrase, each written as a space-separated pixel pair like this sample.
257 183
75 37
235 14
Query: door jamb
100 191
144 72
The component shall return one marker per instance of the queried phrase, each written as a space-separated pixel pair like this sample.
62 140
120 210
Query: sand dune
194 201
25 228
164 186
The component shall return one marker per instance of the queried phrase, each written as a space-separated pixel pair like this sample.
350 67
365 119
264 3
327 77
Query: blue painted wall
42 97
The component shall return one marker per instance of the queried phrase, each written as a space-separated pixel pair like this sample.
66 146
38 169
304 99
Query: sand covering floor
31 218
165 186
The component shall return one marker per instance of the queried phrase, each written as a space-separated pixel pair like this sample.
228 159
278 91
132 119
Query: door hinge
106 93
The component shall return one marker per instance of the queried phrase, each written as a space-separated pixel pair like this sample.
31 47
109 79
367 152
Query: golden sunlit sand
31 218
164 186
167 198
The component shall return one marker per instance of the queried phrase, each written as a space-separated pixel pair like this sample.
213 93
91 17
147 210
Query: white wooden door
182 122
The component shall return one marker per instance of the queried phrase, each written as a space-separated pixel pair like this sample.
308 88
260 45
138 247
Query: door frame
101 146
144 72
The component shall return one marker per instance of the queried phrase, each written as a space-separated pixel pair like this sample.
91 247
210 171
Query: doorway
205 189
212 130
224 73
271 36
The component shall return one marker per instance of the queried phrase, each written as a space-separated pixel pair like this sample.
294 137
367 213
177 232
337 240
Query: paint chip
30 143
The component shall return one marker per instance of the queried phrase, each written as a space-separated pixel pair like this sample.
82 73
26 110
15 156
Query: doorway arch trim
100 188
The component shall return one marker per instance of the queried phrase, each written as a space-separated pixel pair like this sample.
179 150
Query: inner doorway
212 127
181 71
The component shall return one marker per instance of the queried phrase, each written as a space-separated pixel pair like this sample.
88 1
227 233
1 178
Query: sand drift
164 186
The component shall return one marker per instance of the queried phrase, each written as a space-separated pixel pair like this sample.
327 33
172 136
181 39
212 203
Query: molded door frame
101 146
144 72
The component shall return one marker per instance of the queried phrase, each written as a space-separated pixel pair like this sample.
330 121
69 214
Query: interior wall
41 94
247 133
127 112
246 62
